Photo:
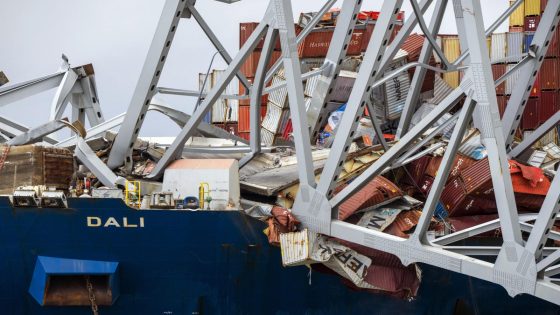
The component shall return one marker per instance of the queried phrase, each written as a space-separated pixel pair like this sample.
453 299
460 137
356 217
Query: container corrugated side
554 47
310 85
245 31
511 80
396 91
441 90
452 79
279 96
452 51
296 247
453 194
549 74
451 47
531 23
550 104
499 70
272 118
249 68
317 43
413 46
477 178
267 137
527 41
472 147
502 104
244 119
532 7
223 108
514 46
284 119
517 18
499 47
530 118
343 87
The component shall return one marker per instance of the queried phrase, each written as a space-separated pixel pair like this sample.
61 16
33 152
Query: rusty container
499 70
531 23
550 104
530 118
549 74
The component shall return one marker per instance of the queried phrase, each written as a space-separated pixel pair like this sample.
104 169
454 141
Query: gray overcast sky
115 35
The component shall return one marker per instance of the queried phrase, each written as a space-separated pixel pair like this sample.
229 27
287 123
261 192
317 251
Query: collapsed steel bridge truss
522 264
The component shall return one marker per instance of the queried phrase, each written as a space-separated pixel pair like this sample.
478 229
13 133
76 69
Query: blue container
527 41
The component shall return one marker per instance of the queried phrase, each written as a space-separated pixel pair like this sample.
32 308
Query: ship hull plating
216 262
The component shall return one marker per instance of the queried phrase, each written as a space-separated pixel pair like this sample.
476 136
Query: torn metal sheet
307 247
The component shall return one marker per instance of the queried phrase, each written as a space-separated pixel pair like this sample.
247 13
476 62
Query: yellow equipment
132 195
203 194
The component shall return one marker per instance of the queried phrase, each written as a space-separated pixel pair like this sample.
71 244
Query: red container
536 90
530 118
317 43
543 5
458 203
244 119
417 169
502 104
374 15
426 184
453 194
549 105
549 74
554 46
460 163
247 102
531 23
249 68
430 78
246 29
413 46
498 71
244 123
477 178
288 130
245 135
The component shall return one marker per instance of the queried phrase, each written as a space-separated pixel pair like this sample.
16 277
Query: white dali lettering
114 222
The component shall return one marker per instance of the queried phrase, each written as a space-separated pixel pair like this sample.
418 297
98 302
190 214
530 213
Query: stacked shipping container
313 49
544 100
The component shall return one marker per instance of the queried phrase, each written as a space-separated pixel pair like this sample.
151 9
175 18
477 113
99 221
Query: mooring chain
91 295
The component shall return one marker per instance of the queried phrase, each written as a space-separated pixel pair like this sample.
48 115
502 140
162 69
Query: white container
514 46
223 108
498 50
396 90
267 137
183 179
511 80
296 247
310 85
272 118
279 96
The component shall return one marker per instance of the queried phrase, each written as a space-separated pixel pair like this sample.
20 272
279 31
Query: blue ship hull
183 262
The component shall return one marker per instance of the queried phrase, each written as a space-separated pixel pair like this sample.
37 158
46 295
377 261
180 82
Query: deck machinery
522 265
